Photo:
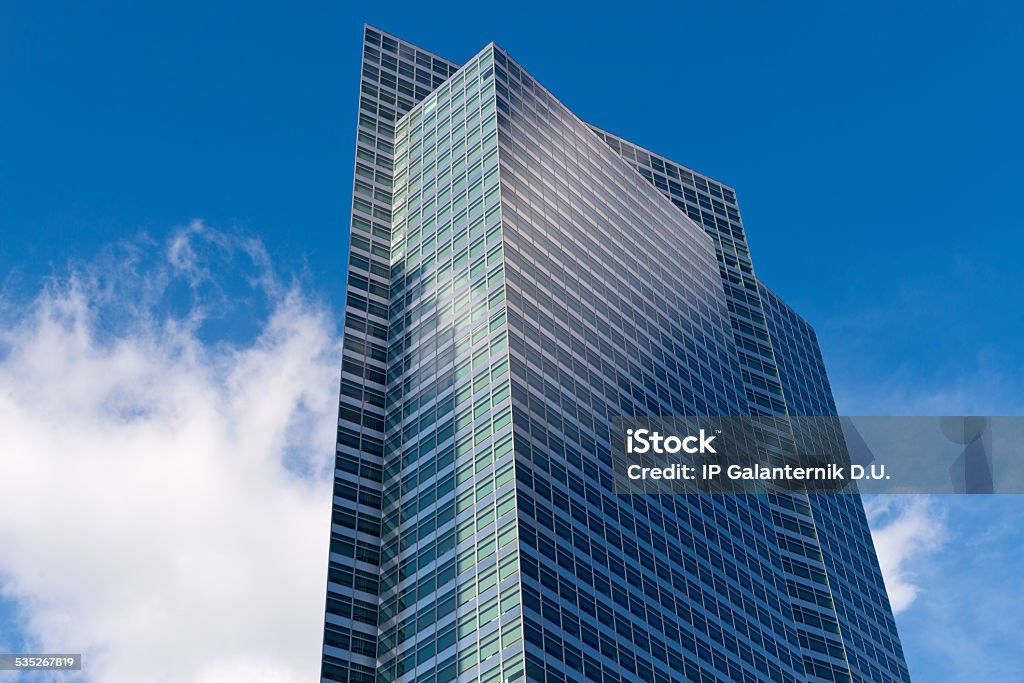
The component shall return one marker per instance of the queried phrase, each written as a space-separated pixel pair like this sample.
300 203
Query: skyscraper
518 278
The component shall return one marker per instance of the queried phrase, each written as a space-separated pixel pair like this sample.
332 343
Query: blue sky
876 149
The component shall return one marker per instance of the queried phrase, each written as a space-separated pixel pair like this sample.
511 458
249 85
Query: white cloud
906 530
165 493
968 626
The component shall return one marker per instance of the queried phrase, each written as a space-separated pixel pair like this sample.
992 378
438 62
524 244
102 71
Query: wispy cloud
164 489
978 386
939 342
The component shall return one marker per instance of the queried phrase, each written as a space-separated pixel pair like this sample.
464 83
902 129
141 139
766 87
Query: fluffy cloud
906 531
164 489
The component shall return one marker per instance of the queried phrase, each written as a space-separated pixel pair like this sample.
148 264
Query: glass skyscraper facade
518 278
